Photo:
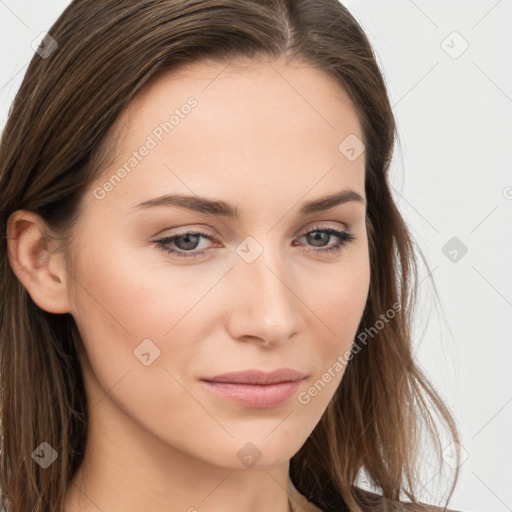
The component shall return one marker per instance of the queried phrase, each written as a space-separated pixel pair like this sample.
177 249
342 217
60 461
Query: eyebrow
221 208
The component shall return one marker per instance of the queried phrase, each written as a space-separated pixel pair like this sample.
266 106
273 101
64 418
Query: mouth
254 388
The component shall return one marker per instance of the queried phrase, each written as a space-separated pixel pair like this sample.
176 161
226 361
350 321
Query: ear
35 260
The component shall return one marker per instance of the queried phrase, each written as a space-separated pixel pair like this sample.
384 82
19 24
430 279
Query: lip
258 377
254 388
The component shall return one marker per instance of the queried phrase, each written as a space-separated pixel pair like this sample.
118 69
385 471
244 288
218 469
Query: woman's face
258 290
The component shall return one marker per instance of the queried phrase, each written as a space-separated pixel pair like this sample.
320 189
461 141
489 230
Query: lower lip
255 396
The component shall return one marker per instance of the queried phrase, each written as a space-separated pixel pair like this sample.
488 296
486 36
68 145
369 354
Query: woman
207 287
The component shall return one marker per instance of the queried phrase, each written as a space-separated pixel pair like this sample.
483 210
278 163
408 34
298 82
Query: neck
126 468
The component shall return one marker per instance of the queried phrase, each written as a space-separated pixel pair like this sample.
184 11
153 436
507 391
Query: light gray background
452 177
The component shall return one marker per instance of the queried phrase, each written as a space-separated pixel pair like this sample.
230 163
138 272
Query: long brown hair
55 143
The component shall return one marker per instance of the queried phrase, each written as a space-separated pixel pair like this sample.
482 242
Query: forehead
231 95
253 125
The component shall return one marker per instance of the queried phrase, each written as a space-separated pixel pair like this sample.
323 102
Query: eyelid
211 233
189 229
323 225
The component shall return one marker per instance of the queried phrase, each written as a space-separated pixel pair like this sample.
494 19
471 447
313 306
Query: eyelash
344 236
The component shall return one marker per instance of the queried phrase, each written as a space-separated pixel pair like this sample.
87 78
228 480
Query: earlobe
36 262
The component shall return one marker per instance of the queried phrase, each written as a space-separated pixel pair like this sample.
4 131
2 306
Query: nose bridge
265 305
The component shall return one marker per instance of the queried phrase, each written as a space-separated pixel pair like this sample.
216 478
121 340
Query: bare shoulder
371 502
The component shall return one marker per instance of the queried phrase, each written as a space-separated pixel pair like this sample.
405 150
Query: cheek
341 301
338 296
122 300
338 310
118 305
115 309
120 292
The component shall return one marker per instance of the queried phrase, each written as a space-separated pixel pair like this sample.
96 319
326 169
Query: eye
320 235
187 242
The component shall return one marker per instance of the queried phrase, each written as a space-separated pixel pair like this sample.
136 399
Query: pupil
188 244
317 236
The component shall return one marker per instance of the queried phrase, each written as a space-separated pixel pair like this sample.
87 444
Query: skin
264 137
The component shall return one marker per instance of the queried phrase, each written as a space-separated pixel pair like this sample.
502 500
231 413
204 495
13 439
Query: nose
264 305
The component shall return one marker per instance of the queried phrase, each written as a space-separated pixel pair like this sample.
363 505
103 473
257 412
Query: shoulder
371 502
331 500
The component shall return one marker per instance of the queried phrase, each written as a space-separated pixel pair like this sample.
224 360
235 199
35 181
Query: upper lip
258 377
